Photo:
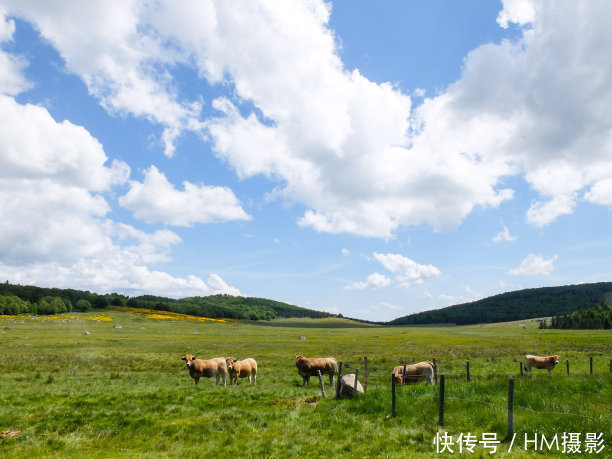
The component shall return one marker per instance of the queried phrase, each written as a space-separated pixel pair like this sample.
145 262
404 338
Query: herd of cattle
220 367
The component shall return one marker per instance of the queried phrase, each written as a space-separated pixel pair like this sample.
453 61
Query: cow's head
188 359
298 357
230 362
398 378
555 359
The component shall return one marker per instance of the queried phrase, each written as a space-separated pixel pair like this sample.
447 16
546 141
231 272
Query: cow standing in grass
241 369
308 367
422 371
542 363
206 368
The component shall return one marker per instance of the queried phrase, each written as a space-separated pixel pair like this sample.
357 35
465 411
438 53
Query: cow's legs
197 380
217 379
331 380
549 373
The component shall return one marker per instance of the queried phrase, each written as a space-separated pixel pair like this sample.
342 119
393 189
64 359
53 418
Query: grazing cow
547 363
422 371
206 368
241 369
308 367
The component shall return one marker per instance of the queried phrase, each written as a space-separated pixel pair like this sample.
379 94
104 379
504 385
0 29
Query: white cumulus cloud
374 280
534 265
504 235
406 271
157 200
355 153
53 226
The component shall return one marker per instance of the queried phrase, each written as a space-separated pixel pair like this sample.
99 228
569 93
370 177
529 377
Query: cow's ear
183 358
193 358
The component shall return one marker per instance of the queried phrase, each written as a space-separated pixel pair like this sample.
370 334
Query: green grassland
124 392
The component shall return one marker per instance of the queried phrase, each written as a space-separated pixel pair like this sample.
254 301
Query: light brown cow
422 371
206 368
241 369
542 363
308 367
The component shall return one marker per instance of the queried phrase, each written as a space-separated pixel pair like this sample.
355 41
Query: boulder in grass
117 326
347 384
86 332
302 337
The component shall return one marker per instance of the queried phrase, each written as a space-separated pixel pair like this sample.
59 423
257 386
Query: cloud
346 252
119 56
54 230
601 192
354 152
406 271
157 200
374 280
504 236
12 79
520 12
534 265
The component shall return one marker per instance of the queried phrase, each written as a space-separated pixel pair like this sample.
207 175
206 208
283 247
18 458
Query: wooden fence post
435 370
610 366
591 363
393 410
521 369
338 382
365 374
510 407
441 413
567 365
356 382
467 366
404 375
321 383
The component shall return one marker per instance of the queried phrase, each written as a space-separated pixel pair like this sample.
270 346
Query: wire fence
530 409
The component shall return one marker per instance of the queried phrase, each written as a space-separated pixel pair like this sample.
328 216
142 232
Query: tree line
596 318
517 305
28 299
226 307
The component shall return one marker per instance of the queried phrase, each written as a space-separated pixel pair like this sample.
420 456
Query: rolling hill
517 305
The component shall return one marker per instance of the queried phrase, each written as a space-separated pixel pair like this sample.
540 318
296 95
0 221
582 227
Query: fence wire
529 409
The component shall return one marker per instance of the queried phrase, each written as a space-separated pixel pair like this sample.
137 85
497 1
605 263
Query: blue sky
373 159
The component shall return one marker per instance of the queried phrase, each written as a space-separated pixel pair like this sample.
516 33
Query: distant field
124 392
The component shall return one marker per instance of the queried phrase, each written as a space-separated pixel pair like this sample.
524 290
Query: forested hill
517 305
20 299
226 306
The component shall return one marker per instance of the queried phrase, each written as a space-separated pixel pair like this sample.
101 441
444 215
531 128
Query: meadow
125 392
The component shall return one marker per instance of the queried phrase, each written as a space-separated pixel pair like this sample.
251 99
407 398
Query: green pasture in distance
124 392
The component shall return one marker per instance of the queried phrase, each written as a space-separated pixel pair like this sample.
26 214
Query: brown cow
241 369
422 371
542 363
308 367
206 368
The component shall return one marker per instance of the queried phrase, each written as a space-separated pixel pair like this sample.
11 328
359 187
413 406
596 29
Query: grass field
124 392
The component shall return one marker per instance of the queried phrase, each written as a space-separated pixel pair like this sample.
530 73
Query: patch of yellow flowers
148 313
166 315
102 318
